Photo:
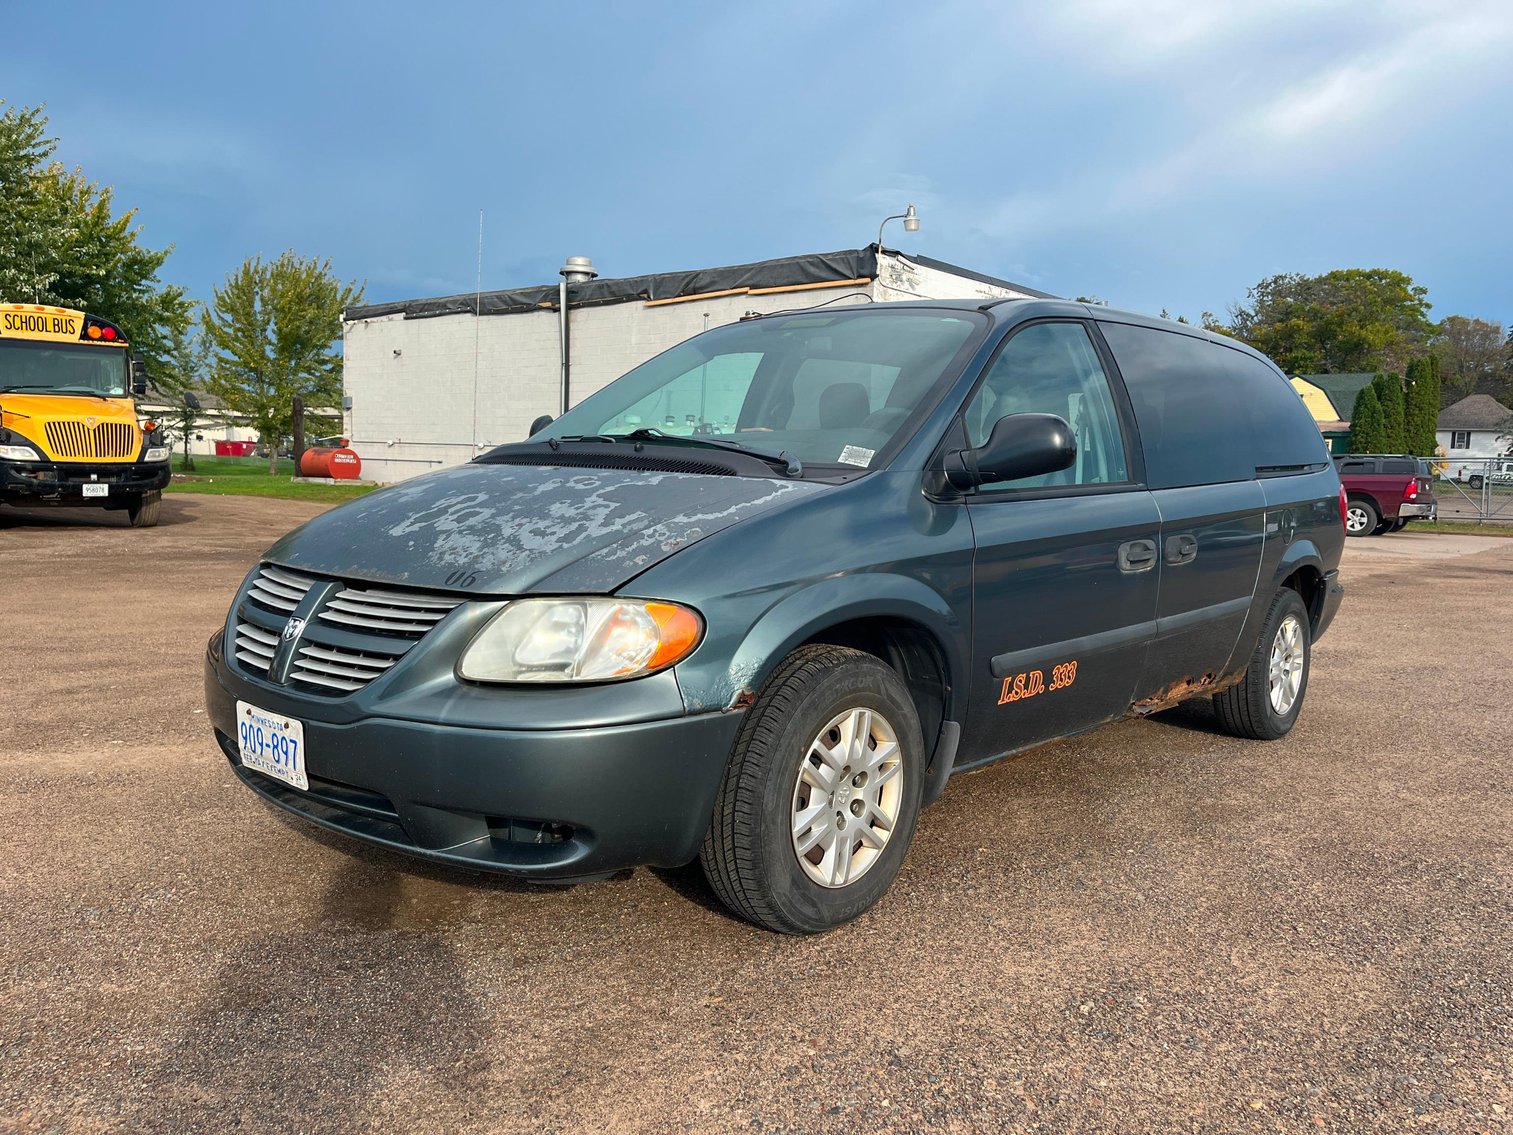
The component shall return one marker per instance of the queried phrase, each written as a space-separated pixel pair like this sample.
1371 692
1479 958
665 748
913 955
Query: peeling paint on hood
521 529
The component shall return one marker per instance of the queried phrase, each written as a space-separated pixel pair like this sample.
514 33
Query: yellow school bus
69 431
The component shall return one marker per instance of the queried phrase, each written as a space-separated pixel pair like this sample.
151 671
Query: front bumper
551 804
1428 511
62 482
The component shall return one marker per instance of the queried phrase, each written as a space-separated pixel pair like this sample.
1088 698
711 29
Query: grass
249 477
1453 528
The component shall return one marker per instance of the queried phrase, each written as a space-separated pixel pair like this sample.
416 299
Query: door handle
1137 556
1182 548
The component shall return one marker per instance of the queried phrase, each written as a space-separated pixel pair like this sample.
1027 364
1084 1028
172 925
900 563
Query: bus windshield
62 368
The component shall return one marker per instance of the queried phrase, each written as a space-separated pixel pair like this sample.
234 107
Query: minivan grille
354 635
392 612
115 440
279 589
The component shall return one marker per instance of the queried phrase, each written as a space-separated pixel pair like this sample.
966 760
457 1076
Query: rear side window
1282 429
1357 466
1399 465
1192 424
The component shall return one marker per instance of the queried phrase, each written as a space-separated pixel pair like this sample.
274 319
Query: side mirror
540 424
138 377
1021 445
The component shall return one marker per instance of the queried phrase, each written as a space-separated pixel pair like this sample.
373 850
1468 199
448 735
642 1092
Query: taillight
1411 491
1343 506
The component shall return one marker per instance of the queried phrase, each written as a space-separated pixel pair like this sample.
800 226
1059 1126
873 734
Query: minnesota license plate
95 490
272 744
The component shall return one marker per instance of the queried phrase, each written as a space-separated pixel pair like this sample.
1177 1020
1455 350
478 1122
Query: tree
1422 411
273 330
1473 357
1389 392
184 374
60 243
1367 426
1345 321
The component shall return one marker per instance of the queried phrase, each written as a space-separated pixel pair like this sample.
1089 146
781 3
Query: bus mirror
138 377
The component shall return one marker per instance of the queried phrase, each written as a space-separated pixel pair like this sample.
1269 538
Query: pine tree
1367 425
1389 392
1422 414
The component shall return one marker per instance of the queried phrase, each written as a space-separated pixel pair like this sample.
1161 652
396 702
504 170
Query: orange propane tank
341 464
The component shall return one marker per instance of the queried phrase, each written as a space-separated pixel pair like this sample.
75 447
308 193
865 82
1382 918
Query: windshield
61 368
829 388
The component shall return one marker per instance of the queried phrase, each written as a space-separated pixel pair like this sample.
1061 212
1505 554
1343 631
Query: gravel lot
1151 928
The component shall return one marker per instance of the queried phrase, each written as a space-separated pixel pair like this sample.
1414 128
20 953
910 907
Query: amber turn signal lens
94 332
677 632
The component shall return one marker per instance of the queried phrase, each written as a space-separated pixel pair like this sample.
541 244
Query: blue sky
1166 154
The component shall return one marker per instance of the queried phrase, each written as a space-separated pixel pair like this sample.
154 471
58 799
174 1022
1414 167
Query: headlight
19 453
579 640
156 453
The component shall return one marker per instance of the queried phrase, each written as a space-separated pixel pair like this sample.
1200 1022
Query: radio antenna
477 326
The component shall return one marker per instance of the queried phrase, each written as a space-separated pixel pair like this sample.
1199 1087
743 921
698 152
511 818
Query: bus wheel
143 511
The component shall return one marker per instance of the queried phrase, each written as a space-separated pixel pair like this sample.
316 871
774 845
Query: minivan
755 602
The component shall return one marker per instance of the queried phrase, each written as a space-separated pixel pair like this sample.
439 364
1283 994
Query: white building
1471 431
432 382
214 422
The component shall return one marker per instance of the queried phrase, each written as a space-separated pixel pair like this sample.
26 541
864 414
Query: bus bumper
64 482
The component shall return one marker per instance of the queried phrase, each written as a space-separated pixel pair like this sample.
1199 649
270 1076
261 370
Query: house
433 382
1331 400
1472 430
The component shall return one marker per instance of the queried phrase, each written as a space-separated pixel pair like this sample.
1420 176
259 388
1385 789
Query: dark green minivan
756 601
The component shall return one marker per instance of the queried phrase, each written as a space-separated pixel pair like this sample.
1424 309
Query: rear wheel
1361 518
1476 480
1267 700
1398 525
143 510
819 802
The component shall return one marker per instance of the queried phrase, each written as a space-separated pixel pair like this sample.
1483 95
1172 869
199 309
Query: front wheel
1360 518
1476 480
143 511
1267 700
819 801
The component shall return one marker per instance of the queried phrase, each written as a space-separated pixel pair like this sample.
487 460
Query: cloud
1352 107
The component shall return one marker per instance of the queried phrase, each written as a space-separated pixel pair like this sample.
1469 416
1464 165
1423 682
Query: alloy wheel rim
1285 671
846 797
1355 519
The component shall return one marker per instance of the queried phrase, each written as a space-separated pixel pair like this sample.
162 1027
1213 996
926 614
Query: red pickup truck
1384 491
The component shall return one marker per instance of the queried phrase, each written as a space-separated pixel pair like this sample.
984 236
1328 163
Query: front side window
832 388
1053 368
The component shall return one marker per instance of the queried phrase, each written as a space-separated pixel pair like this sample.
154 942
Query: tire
778 776
143 511
1253 708
1476 480
1398 525
1361 518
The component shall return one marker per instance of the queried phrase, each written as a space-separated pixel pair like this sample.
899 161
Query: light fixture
910 219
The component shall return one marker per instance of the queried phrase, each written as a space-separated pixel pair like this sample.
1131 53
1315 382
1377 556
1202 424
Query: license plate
271 743
93 490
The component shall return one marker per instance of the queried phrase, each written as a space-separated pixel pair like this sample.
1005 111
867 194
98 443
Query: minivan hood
513 530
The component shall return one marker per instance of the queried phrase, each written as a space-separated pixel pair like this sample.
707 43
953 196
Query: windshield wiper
783 460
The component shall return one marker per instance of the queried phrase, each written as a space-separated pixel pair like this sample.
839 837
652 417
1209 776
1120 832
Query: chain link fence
1476 490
